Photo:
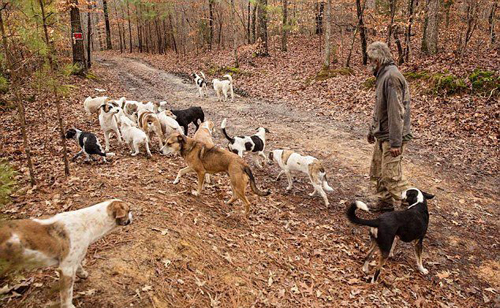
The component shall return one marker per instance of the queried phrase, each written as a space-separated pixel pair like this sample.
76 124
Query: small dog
204 135
409 225
190 115
203 160
223 86
201 84
89 144
109 123
255 143
134 137
92 105
150 124
290 161
59 241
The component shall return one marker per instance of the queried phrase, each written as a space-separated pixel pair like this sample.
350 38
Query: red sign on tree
78 36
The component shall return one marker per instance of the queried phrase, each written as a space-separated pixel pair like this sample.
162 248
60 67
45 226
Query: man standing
390 129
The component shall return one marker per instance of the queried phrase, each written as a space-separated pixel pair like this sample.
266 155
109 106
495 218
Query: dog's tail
230 84
223 128
351 215
203 75
256 190
325 184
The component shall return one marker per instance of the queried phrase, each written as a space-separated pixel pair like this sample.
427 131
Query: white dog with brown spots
60 241
291 161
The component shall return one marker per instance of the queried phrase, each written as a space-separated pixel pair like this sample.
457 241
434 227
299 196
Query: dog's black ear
267 131
427 195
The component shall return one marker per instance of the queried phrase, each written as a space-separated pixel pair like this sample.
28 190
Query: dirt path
197 251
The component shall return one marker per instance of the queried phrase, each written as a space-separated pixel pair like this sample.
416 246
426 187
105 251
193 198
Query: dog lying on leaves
408 225
59 241
204 159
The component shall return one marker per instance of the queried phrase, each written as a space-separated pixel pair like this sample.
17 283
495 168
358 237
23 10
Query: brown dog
149 123
203 159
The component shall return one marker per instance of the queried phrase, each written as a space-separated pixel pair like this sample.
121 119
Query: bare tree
411 7
89 35
328 30
235 37
431 25
472 12
360 9
77 44
264 51
491 22
284 36
106 22
392 6
129 26
15 86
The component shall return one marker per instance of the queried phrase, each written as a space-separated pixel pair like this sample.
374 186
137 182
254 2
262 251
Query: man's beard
374 68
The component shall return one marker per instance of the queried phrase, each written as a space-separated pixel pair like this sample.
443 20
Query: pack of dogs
61 241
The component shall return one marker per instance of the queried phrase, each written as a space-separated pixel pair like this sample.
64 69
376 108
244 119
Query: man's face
373 65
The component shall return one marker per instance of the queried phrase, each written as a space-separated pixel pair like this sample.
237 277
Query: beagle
59 241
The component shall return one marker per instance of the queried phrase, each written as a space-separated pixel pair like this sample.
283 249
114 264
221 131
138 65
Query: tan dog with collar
203 159
59 241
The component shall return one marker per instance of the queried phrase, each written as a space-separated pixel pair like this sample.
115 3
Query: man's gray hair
380 52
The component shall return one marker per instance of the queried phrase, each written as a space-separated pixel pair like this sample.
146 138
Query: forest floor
293 251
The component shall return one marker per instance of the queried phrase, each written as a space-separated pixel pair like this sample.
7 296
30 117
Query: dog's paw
423 270
195 193
82 274
289 188
176 181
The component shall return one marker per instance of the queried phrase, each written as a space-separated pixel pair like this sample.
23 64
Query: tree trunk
235 41
264 50
472 11
320 7
491 22
20 107
284 36
129 26
411 5
172 33
89 35
139 30
56 95
328 30
211 23
360 10
431 25
106 22
77 45
392 5
254 22
249 13
401 58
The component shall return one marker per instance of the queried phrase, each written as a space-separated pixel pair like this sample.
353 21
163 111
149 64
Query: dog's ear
427 195
181 138
118 210
266 130
271 155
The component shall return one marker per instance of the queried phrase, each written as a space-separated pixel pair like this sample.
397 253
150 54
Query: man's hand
395 152
370 138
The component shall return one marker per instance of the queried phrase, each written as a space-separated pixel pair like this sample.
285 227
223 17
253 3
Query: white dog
201 84
134 137
92 105
109 123
223 86
60 241
168 123
290 161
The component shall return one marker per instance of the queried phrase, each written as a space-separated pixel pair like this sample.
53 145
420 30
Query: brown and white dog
59 241
203 134
202 160
291 161
92 105
149 123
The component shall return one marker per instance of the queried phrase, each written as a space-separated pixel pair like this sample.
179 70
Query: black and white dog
255 143
408 225
88 143
201 83
190 115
